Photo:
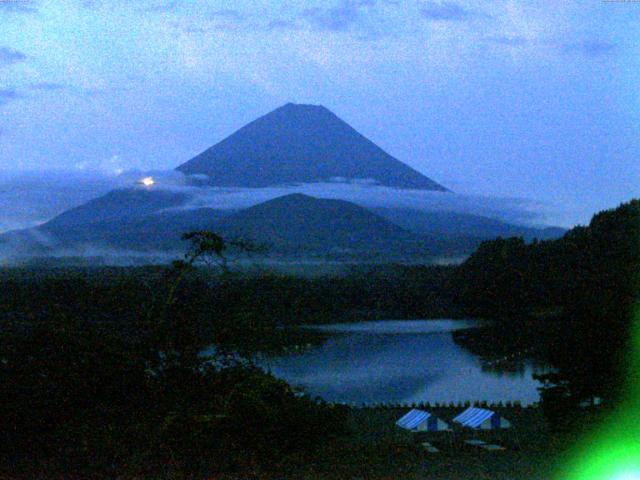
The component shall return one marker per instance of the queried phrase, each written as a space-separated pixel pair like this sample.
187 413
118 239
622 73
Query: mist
511 210
28 199
363 192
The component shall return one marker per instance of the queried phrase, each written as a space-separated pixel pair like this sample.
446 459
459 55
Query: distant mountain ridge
294 226
447 224
301 144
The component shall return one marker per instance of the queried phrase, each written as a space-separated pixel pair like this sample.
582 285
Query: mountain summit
301 144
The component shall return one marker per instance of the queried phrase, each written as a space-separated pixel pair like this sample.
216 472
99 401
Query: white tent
421 421
481 419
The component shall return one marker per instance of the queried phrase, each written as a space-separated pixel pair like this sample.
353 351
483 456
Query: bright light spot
147 181
627 476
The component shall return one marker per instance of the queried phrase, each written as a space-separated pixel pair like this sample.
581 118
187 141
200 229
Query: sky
532 100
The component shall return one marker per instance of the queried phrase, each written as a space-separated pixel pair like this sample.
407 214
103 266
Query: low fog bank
362 192
517 211
31 198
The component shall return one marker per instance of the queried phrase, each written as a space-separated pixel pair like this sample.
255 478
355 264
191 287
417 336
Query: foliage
586 282
94 398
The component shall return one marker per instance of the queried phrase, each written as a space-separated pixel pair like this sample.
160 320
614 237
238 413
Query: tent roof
473 417
412 419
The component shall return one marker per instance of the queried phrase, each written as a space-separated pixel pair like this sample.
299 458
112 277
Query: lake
401 362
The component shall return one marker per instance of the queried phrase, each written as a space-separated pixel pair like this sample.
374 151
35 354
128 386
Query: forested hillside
587 280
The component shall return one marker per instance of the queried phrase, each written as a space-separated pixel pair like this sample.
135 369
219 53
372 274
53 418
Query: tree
90 398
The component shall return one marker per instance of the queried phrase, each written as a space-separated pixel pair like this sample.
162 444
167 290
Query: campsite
378 449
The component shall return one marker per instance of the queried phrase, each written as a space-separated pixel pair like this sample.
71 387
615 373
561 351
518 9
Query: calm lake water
400 361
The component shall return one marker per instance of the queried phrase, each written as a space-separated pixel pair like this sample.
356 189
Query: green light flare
612 452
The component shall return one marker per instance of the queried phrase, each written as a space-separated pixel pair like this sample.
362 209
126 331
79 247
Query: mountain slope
445 224
301 144
296 222
122 219
295 225
117 205
159 231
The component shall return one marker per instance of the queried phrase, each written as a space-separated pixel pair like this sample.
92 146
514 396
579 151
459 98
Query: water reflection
401 362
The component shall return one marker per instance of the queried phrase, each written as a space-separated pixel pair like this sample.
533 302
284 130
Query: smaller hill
296 223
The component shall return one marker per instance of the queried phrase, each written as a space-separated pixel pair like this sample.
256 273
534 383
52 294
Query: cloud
280 24
340 18
362 192
7 95
162 7
512 210
588 48
509 41
113 166
445 11
91 4
9 56
227 19
17 6
228 14
46 86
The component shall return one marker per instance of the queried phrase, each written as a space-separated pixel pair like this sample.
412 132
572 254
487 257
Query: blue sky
528 99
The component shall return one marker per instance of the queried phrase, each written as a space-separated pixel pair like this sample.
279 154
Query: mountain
123 218
293 144
158 231
299 223
301 144
446 224
294 226
118 205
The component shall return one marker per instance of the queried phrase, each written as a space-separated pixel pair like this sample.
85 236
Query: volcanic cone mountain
294 144
301 144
